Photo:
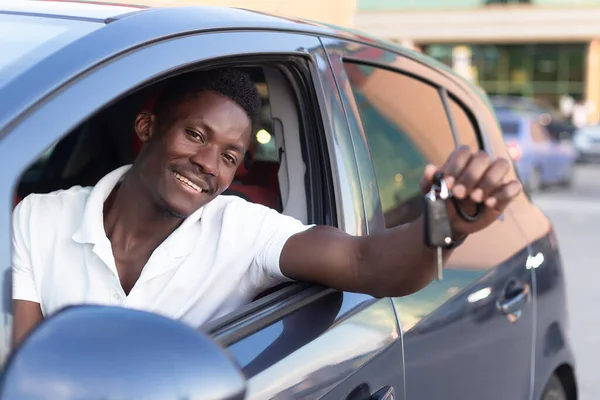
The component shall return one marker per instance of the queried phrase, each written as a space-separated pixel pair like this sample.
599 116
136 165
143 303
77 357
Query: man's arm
396 262
26 316
391 263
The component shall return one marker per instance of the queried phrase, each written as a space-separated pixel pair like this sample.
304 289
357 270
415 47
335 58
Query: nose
207 159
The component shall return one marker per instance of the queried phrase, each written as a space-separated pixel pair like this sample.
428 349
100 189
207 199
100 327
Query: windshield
25 40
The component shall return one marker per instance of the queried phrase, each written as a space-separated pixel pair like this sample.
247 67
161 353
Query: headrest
243 168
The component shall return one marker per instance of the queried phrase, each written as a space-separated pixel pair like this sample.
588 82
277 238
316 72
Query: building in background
545 49
337 12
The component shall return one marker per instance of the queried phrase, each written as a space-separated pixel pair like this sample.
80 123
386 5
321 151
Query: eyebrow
237 148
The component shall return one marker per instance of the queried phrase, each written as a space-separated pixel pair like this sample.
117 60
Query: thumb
427 180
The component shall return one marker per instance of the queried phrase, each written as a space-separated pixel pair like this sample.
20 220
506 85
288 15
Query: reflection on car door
470 335
338 346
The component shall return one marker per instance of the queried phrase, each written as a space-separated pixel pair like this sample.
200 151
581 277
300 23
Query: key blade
440 264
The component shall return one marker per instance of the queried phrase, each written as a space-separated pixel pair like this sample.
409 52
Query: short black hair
230 82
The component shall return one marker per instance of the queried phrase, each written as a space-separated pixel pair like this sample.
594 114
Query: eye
194 134
230 159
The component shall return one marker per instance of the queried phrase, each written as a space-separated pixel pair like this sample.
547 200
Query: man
157 236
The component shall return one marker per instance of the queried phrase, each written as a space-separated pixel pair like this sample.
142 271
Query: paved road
576 217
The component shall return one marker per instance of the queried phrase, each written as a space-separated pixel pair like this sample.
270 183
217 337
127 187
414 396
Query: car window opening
272 166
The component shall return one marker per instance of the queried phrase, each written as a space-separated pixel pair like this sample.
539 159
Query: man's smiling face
192 150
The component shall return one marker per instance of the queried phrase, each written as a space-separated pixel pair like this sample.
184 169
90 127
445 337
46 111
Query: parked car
540 159
559 127
587 143
349 122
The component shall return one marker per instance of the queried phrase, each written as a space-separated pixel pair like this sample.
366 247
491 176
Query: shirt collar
91 229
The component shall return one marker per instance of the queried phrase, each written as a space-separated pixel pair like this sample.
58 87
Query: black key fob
437 229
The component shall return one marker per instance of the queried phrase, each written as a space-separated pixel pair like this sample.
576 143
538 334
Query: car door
336 345
470 335
301 341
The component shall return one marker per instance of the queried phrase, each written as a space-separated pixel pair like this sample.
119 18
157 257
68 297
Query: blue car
541 160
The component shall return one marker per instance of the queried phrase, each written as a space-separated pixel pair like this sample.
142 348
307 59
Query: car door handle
513 306
385 393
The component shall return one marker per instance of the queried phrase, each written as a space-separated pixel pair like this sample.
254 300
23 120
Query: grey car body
494 328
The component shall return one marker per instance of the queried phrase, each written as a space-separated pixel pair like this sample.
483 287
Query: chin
175 214
178 209
182 209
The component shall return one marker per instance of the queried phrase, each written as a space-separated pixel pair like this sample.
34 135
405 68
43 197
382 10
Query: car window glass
263 139
463 124
406 127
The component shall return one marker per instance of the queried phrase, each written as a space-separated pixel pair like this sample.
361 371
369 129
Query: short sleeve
275 231
23 286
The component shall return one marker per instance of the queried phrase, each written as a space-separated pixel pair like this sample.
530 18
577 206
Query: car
587 143
559 127
540 159
348 124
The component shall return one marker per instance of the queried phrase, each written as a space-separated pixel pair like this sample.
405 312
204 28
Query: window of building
406 127
540 71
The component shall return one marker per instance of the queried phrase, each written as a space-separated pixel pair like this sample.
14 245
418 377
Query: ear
144 125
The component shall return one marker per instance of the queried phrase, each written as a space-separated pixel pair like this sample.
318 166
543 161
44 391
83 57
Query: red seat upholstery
256 181
258 189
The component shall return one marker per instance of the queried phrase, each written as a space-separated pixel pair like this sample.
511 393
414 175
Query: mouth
188 183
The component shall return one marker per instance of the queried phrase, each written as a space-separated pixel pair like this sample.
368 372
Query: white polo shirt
217 260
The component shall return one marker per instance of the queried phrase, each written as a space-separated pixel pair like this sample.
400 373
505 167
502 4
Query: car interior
272 173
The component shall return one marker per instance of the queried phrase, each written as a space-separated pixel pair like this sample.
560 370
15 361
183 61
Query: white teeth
187 182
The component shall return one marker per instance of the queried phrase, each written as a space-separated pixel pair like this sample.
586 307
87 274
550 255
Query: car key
437 229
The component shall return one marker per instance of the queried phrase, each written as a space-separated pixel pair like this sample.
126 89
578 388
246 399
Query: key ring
464 215
444 193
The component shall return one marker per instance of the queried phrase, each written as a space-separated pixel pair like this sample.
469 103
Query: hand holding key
474 179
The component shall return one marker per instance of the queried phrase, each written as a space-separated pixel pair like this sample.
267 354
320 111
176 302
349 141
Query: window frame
449 87
263 312
134 70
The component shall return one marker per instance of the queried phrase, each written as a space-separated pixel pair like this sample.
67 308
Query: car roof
225 16
84 10
109 11
139 25
214 17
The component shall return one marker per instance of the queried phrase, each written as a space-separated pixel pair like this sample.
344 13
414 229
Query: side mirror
96 352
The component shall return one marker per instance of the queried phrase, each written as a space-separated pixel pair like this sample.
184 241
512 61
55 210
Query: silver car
587 143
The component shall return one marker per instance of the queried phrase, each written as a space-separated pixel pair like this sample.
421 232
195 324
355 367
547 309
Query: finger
457 161
471 175
504 195
492 180
425 183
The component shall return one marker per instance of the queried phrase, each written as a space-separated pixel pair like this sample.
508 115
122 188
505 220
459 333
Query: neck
132 217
